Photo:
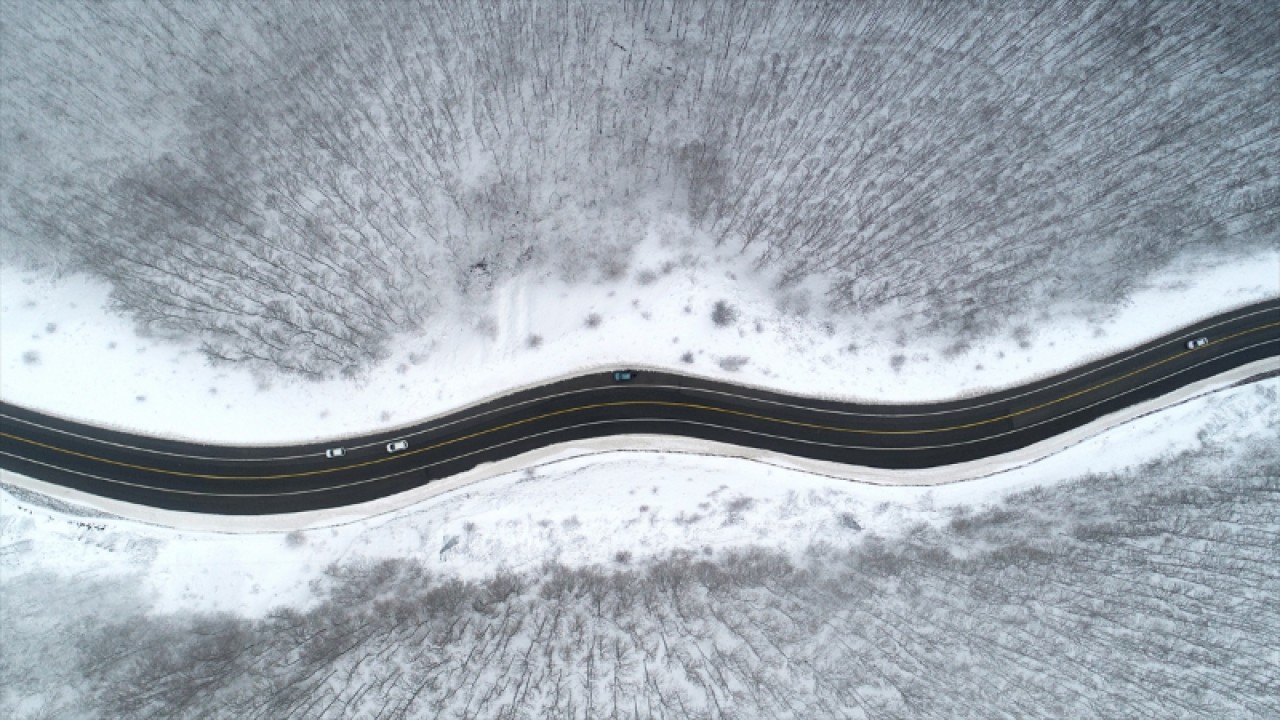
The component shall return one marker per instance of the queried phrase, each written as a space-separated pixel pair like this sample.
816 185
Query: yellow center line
651 403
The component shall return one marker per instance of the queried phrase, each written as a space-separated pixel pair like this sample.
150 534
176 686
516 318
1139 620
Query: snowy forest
295 183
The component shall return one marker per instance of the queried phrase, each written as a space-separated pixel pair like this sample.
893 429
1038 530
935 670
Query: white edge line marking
721 393
343 486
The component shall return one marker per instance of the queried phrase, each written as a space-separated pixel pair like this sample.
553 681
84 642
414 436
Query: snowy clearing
62 352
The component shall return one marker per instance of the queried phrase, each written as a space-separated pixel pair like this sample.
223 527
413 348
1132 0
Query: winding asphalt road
236 480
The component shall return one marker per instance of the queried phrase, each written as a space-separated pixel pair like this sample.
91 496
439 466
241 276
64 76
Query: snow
62 352
576 510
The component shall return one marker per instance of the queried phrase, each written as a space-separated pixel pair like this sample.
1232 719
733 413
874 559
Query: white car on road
1197 343
397 446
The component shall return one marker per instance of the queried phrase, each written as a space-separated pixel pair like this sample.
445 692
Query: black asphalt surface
237 480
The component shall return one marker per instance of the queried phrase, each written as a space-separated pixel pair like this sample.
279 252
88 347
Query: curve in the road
241 480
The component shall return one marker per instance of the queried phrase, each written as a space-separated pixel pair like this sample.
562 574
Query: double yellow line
650 403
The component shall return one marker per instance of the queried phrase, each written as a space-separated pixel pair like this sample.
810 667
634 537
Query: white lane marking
419 468
721 393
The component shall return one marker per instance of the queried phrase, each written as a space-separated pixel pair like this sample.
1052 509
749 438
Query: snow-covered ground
620 507
62 352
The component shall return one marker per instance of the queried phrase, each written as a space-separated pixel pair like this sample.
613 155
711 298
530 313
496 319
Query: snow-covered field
62 352
599 510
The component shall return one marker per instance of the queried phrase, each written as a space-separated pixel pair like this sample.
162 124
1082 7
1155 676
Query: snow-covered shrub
723 314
